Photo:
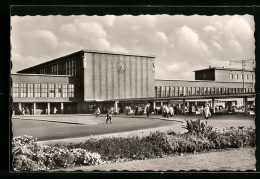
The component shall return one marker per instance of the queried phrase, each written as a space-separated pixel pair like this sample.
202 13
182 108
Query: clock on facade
121 66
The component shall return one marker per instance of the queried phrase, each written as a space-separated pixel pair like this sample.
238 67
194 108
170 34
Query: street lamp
243 64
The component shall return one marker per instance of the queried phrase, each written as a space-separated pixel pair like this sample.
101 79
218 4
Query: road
64 126
55 127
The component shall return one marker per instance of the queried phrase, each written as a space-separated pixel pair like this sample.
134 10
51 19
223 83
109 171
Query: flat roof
202 81
229 69
86 51
29 74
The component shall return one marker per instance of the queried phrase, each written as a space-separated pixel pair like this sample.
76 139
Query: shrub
82 157
198 127
28 155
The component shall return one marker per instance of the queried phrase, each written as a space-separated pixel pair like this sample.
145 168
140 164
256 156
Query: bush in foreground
28 155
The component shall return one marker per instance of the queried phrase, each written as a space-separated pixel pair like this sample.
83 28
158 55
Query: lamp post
243 73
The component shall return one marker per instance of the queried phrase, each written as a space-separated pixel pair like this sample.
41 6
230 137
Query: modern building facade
77 82
95 77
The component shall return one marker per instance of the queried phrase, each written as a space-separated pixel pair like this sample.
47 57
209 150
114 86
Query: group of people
110 112
24 111
167 110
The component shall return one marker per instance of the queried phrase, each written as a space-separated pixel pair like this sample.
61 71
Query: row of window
30 90
66 68
166 91
236 76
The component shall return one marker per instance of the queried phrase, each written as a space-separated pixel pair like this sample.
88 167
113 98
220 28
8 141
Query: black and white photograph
133 93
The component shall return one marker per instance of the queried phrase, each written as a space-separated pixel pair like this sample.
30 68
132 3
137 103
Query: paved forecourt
54 129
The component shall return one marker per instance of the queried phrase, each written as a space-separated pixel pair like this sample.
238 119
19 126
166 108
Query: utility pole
243 72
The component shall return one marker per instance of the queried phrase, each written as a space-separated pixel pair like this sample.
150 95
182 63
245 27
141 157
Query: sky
180 43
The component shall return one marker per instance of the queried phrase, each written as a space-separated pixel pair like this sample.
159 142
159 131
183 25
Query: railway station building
78 82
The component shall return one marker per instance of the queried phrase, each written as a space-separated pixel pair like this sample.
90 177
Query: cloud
180 43
216 45
209 29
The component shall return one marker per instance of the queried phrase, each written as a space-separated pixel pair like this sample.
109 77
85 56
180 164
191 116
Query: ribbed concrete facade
117 76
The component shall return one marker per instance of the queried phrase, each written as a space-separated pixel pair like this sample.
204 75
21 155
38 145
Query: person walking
167 111
97 112
190 110
109 115
54 110
147 110
171 111
207 112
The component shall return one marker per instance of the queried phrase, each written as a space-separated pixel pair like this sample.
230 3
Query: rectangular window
173 91
37 90
176 91
180 91
185 91
70 67
163 91
236 76
155 91
23 90
65 90
205 90
42 71
51 90
252 77
15 90
54 69
189 91
193 92
71 90
197 90
202 91
217 91
167 91
208 90
223 90
170 89
44 90
246 77
212 90
58 90
241 76
231 76
30 89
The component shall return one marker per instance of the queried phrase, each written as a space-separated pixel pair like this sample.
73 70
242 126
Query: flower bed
28 155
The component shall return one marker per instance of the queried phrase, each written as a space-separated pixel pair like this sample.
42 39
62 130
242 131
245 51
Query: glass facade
166 91
23 90
37 90
58 90
15 90
30 90
71 90
43 90
65 90
51 90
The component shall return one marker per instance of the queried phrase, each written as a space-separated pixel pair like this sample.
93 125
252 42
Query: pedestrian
109 115
54 110
147 110
23 111
207 112
136 110
171 111
190 110
27 111
167 111
202 112
97 112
